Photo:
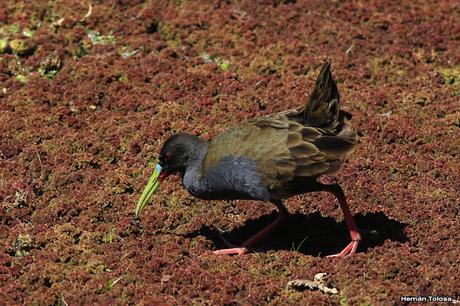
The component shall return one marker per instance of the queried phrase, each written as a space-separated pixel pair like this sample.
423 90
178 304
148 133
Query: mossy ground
90 92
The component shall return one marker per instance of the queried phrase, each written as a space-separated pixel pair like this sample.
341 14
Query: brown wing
284 149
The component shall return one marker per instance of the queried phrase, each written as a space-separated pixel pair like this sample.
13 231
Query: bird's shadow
312 234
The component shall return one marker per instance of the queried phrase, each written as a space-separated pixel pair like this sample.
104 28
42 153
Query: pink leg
282 213
350 249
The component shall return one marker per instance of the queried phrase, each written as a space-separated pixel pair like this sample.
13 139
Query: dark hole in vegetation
10 251
107 205
129 189
38 191
76 238
94 165
152 27
47 282
278 2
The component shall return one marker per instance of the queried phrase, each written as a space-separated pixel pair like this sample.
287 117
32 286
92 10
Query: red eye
168 156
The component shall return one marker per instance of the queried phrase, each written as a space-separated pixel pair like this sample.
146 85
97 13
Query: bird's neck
192 172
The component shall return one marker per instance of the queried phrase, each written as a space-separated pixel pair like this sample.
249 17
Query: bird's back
289 148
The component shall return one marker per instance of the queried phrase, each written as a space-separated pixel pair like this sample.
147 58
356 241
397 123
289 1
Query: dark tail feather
323 108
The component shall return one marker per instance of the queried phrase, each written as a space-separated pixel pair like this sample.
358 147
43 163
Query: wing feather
284 149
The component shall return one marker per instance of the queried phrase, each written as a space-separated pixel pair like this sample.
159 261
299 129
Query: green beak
152 185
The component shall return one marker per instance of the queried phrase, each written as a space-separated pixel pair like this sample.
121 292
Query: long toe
232 251
348 250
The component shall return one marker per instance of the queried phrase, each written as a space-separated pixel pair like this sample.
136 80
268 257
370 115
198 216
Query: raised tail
323 108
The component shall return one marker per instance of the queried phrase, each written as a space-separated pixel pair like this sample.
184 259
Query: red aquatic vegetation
77 146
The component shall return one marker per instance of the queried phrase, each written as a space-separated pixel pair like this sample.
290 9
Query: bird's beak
157 177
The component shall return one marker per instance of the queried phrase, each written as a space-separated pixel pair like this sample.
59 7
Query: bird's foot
348 250
232 251
351 247
262 234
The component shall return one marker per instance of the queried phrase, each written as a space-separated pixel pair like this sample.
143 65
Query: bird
268 158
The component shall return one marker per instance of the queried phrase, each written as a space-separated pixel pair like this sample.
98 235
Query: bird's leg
225 241
282 214
337 191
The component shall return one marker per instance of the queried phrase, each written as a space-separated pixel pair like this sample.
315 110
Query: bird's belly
221 194
235 188
232 178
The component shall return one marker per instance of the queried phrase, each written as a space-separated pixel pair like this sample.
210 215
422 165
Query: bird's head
175 156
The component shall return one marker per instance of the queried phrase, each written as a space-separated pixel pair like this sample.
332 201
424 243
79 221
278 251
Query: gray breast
233 177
